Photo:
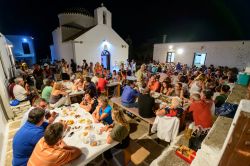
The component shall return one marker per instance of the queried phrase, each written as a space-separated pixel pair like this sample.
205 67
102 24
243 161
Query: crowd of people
196 93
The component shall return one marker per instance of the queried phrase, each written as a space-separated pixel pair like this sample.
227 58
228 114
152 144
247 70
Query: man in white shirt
95 79
19 92
41 103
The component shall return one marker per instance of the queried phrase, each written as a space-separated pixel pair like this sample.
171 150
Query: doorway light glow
180 51
170 47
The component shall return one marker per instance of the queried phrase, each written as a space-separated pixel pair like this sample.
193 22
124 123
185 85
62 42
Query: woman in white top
198 84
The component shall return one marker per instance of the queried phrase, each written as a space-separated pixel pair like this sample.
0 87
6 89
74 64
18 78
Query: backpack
227 110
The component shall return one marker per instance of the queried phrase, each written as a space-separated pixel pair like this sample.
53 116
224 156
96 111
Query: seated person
129 95
201 111
57 96
78 85
146 104
89 102
27 136
153 84
11 87
108 75
119 132
52 150
102 112
20 92
219 100
46 92
102 82
173 110
89 85
177 90
95 78
114 76
66 83
40 103
166 88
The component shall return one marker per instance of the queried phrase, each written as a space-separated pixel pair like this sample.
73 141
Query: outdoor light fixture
170 47
24 40
105 45
180 51
10 45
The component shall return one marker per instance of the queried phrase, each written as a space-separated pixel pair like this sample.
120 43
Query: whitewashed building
81 36
218 53
6 72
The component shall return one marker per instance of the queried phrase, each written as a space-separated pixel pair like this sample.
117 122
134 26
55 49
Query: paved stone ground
138 134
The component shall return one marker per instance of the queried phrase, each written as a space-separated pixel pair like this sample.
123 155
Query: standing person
91 68
84 64
140 75
52 150
133 67
27 136
47 71
73 66
38 74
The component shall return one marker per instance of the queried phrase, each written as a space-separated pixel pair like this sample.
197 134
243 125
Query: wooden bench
117 102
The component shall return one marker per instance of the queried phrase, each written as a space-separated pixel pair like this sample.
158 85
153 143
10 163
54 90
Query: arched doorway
105 59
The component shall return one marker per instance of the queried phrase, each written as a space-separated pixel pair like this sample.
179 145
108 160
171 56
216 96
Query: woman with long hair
58 95
119 131
102 112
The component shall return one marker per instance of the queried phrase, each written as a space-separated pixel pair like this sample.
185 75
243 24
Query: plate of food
70 122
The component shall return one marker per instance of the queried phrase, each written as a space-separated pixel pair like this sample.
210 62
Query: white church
81 36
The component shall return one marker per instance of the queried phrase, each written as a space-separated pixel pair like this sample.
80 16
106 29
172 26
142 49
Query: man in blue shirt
129 95
27 136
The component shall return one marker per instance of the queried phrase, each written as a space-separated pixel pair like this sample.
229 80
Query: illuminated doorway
105 59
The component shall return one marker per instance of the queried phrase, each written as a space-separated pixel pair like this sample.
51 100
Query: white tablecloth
90 152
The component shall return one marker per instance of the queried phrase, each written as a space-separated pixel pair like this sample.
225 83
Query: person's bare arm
109 140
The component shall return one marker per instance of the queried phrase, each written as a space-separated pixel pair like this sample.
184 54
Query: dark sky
180 20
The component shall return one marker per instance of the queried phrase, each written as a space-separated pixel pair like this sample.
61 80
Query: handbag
196 138
14 102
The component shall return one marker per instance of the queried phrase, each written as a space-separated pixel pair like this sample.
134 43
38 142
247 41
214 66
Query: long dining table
83 133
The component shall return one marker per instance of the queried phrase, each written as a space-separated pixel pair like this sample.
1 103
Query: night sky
144 22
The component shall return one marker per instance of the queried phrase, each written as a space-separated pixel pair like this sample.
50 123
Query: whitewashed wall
61 50
4 99
92 45
224 53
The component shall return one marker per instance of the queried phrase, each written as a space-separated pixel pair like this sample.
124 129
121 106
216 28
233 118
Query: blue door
105 59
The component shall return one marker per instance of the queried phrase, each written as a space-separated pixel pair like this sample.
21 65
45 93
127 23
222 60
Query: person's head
12 80
87 96
225 88
41 103
207 94
36 116
178 86
143 67
183 79
118 117
114 72
57 86
53 133
131 83
164 84
88 79
19 81
195 97
146 90
71 60
176 102
103 101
